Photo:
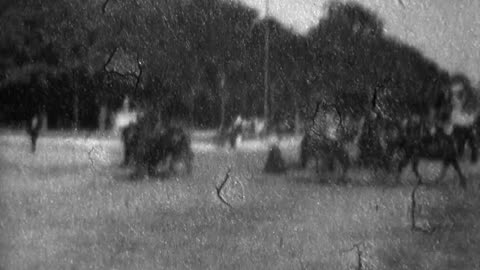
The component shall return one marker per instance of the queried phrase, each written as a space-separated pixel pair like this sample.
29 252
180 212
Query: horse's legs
232 137
303 158
190 164
461 145
445 166
127 154
401 165
171 161
415 162
331 164
473 147
151 163
151 169
34 142
463 180
345 162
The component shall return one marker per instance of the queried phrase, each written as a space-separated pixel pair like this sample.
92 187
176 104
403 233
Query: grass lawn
70 206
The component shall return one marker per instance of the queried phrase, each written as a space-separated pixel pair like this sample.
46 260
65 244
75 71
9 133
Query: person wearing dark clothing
33 129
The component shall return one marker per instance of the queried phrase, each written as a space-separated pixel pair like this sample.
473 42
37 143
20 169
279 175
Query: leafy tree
359 70
168 55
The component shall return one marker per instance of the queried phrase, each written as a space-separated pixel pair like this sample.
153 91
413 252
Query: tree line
201 61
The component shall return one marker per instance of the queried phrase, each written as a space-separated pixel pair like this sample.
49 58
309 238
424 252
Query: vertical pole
44 119
75 103
267 92
75 110
102 117
223 100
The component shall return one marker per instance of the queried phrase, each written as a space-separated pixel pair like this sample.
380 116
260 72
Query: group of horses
395 146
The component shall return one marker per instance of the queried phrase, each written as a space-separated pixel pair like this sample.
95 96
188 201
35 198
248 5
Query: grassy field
70 206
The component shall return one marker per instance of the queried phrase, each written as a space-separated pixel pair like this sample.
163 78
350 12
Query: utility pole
75 102
266 110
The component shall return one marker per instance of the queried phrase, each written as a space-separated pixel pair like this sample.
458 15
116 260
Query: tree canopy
205 59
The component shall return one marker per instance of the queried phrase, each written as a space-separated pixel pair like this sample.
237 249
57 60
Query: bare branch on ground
110 57
104 6
219 188
414 226
92 164
359 254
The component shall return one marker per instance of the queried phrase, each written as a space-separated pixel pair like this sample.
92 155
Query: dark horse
437 147
173 142
315 144
322 148
146 147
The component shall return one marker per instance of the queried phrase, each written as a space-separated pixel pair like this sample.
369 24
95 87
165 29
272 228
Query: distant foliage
202 61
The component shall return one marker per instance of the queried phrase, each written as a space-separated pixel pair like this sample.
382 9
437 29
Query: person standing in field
33 129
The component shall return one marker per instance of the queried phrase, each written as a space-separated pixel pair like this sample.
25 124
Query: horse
149 142
438 146
332 144
325 149
173 142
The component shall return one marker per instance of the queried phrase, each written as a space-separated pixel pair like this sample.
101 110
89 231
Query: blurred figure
172 144
33 129
149 142
235 131
130 137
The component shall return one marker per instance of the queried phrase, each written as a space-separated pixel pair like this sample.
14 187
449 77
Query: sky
447 31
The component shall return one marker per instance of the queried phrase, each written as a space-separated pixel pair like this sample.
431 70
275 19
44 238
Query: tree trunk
44 117
297 116
266 97
298 124
244 98
223 100
222 113
102 117
191 107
